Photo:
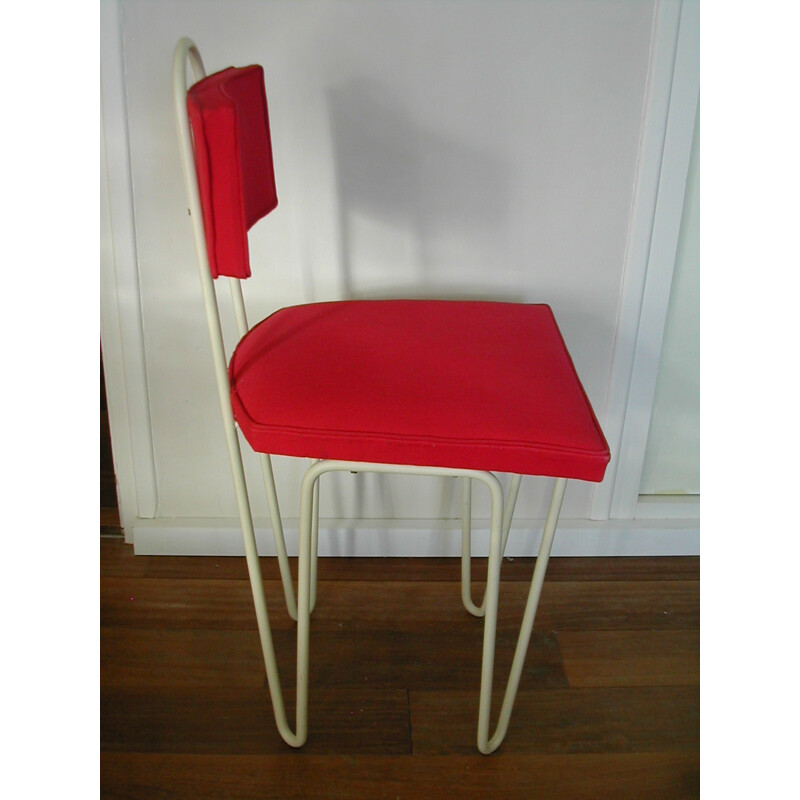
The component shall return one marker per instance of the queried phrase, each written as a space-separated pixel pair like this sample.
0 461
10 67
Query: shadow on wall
421 215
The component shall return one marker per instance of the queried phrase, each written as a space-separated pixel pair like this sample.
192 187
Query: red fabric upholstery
233 157
474 385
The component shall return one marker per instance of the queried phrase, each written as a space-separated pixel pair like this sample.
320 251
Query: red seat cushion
233 159
471 385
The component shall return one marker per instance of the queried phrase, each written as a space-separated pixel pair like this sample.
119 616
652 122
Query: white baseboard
421 538
659 506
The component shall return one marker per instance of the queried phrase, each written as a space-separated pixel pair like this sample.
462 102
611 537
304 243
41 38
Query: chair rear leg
466 550
257 588
277 533
466 538
314 544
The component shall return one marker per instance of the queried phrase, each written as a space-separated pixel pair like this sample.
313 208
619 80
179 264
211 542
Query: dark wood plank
631 658
655 568
618 605
109 509
118 559
239 720
385 659
172 657
516 569
109 519
186 603
108 494
607 720
579 605
298 776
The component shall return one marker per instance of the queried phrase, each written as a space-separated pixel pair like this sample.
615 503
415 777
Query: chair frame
300 609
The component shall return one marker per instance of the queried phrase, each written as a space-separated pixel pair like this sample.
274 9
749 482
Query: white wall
421 148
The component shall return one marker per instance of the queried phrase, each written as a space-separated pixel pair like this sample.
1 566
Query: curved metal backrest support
186 51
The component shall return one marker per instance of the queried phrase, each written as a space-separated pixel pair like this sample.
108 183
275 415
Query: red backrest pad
233 158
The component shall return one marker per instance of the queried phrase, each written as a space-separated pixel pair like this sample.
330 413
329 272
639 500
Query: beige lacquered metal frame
300 609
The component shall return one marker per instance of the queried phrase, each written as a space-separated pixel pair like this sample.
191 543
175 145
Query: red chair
373 386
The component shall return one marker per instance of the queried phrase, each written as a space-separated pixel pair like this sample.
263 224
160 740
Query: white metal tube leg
490 623
485 744
257 587
304 589
314 543
266 469
277 534
466 549
466 538
508 508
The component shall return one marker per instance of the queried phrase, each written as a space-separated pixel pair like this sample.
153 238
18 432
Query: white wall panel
672 457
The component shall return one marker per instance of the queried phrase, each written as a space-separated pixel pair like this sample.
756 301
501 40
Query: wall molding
678 140
121 330
655 506
421 538
668 123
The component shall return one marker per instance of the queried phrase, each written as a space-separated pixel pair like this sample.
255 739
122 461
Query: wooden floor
109 510
608 705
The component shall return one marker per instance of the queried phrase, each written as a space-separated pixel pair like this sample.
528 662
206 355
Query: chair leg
308 507
500 522
466 550
314 543
485 744
466 538
257 588
508 509
277 533
306 591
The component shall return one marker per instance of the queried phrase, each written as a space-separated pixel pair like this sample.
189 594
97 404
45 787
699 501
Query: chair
386 386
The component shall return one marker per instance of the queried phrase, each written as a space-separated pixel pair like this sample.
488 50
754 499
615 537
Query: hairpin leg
314 543
309 509
277 534
485 744
466 538
257 588
466 550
